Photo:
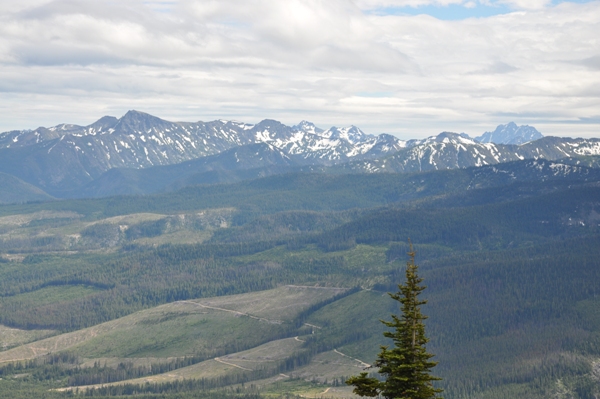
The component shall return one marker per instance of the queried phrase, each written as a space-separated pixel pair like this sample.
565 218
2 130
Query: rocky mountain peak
140 123
308 127
106 121
101 125
510 134
271 130
351 134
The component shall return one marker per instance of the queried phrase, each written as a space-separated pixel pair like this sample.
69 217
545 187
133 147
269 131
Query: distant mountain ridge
158 138
67 156
452 150
214 170
510 134
102 158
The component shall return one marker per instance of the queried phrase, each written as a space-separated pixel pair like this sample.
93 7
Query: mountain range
273 280
139 153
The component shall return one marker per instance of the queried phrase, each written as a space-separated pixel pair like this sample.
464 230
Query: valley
273 284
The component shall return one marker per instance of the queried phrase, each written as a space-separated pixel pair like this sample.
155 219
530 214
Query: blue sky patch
455 12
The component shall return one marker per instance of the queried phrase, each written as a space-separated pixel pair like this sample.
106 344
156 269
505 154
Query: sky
412 68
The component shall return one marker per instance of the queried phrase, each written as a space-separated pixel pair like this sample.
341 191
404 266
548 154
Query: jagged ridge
63 159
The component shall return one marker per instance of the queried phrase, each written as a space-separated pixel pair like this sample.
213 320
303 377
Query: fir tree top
406 367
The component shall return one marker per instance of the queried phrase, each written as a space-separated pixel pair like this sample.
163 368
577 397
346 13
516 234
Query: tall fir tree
406 367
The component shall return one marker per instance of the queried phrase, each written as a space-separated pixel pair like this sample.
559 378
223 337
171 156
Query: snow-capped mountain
452 151
140 140
510 134
67 156
308 127
137 139
309 144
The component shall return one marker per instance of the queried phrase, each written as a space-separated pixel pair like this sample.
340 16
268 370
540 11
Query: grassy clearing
144 334
196 331
201 219
206 326
11 337
283 303
326 367
176 237
365 256
132 218
39 224
281 386
53 344
262 356
55 232
359 313
209 327
170 330
22 219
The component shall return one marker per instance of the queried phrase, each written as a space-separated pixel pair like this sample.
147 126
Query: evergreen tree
407 366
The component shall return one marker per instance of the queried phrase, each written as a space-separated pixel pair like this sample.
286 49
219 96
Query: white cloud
16 6
514 4
73 61
526 4
373 4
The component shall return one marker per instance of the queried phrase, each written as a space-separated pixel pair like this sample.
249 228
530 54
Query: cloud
82 32
526 4
73 61
16 6
495 68
592 62
311 33
516 4
513 4
374 4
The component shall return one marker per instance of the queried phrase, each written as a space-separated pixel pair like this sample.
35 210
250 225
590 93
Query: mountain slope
510 134
239 163
13 189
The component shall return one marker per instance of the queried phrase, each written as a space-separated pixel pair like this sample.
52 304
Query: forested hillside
276 286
